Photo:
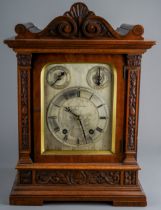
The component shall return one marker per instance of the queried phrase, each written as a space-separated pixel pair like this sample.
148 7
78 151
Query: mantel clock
78 96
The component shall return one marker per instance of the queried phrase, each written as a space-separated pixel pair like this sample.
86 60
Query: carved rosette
24 62
77 177
133 65
130 177
25 177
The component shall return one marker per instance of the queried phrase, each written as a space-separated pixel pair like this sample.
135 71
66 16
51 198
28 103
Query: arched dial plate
77 117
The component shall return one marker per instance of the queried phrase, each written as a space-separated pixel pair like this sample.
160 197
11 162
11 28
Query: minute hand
67 109
82 129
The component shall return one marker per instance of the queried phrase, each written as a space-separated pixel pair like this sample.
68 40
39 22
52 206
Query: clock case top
79 36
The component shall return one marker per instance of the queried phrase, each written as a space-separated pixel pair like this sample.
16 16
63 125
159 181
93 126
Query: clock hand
59 77
67 109
98 77
82 129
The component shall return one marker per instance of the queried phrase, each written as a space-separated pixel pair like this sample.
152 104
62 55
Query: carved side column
133 67
24 121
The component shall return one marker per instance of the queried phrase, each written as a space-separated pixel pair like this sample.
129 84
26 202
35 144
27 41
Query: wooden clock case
78 36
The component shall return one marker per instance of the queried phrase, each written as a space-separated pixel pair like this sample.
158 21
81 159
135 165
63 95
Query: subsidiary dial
99 77
77 117
58 77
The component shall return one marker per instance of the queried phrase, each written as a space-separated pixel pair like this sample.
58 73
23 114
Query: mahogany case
78 36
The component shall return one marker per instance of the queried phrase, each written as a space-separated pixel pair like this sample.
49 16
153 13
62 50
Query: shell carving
78 10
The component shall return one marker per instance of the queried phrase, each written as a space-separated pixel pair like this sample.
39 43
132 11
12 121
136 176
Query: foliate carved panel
130 177
133 64
132 110
24 109
78 177
24 62
25 177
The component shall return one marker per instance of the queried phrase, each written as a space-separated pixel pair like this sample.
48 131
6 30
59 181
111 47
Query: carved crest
79 22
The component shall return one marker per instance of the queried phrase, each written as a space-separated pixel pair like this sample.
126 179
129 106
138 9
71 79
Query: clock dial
99 77
77 119
77 99
58 77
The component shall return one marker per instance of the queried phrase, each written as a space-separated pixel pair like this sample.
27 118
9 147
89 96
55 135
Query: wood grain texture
78 36
76 46
80 166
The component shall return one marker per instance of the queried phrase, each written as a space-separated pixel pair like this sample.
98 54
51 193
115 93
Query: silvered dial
58 77
77 117
99 77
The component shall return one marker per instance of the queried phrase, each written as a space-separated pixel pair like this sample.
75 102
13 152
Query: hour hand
68 109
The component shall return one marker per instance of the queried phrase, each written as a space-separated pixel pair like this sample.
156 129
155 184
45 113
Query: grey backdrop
41 12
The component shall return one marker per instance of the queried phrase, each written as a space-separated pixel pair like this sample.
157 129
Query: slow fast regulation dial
99 77
58 77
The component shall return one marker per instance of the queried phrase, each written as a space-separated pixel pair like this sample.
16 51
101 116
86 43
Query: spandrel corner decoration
78 100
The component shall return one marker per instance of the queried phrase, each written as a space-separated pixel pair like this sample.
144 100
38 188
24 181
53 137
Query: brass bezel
79 152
